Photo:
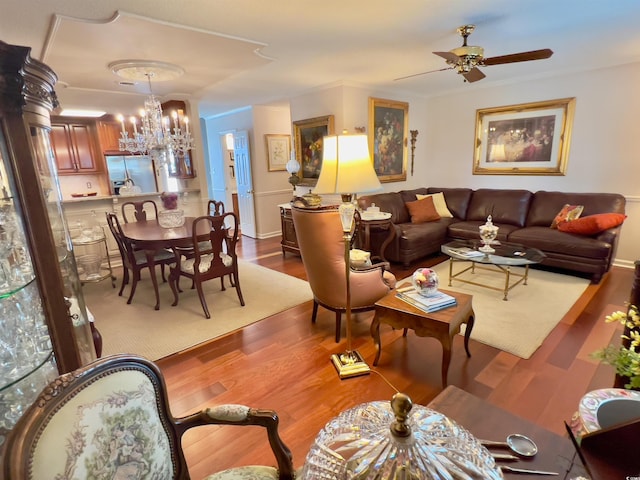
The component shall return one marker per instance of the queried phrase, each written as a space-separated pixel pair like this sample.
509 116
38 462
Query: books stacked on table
466 252
429 304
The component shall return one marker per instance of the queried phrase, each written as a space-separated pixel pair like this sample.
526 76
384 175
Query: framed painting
278 151
308 140
524 139
388 132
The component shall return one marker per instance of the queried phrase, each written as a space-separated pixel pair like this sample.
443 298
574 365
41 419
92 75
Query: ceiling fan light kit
467 58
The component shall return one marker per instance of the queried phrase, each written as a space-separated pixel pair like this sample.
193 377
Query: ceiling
247 52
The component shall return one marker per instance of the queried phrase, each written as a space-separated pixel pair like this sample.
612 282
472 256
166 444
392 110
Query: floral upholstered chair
111 420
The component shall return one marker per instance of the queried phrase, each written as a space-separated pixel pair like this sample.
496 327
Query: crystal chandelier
154 133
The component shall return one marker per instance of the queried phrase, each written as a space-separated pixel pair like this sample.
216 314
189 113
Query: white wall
603 156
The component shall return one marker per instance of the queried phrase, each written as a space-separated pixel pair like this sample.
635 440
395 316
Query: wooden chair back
139 210
214 207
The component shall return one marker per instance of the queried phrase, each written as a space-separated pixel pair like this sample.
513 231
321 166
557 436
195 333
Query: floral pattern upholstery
186 264
110 420
109 430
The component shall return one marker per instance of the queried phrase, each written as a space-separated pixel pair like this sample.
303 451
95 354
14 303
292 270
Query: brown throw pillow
567 214
422 211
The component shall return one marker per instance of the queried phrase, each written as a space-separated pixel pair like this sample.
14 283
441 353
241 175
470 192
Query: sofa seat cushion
471 230
552 240
413 235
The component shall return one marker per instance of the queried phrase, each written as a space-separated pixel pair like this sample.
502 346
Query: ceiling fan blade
519 57
473 75
448 56
423 73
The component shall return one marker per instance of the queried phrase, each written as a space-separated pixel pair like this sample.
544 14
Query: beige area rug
138 328
520 324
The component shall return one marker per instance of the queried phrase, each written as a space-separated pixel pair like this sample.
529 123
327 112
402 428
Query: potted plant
625 358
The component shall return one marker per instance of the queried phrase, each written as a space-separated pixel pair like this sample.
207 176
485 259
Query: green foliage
625 359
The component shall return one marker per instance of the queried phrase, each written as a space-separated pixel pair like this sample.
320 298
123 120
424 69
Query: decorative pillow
567 214
422 211
359 258
593 224
439 202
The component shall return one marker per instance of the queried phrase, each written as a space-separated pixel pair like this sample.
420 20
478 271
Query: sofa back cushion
508 207
546 205
457 200
391 202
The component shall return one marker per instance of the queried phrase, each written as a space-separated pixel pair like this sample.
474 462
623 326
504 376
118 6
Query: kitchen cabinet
44 327
109 136
75 146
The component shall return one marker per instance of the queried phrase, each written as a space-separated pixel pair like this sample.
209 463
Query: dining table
150 237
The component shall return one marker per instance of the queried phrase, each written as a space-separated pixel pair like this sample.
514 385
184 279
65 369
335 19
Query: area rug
520 324
138 328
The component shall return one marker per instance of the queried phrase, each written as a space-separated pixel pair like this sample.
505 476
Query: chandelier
153 133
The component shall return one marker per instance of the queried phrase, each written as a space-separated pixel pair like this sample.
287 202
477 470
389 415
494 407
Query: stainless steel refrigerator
138 168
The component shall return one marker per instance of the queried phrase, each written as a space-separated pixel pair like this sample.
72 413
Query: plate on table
591 402
375 215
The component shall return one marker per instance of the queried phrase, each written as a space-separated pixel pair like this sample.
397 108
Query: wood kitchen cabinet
109 136
75 146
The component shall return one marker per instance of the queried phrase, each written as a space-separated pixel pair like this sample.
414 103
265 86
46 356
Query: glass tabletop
505 253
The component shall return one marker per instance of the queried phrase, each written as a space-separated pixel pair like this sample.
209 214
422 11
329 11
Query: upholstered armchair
320 238
111 419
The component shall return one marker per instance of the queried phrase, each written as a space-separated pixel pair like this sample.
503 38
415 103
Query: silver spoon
518 443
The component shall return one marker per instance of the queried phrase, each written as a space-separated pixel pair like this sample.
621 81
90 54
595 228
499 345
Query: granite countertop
110 198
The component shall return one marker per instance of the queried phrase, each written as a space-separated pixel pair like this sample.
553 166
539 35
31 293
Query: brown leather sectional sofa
523 217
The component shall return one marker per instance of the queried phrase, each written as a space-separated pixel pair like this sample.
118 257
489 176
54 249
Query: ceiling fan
467 58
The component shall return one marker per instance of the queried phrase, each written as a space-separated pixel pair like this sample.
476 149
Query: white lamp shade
346 166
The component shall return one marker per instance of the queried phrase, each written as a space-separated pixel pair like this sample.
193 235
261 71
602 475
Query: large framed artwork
308 138
278 151
388 132
524 139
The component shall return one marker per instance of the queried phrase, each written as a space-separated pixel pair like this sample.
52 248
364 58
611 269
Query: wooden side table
442 325
379 224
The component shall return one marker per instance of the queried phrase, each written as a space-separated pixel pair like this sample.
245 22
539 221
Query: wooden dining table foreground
488 422
150 237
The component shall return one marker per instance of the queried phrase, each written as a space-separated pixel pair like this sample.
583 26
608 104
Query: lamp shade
346 166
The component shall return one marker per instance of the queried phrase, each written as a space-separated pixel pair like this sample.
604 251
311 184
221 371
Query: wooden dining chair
215 207
213 258
139 211
134 260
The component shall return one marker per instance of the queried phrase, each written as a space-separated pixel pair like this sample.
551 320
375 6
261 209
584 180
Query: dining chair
134 260
111 419
139 211
215 207
321 242
212 257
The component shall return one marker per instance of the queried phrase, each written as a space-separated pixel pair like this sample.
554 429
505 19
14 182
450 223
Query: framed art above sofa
524 139
388 133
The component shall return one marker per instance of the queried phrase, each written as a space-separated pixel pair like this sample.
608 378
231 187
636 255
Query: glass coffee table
505 256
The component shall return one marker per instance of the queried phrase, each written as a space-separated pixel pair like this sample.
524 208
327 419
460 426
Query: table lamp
293 167
347 169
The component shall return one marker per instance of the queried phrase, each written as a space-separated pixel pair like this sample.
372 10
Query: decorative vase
425 281
171 218
488 233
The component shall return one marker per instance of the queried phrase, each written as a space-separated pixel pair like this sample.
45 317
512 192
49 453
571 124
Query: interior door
244 183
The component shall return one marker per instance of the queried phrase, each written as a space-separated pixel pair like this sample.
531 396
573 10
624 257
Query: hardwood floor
283 363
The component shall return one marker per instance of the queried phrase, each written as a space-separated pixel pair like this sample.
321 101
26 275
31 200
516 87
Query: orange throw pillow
567 214
422 211
593 224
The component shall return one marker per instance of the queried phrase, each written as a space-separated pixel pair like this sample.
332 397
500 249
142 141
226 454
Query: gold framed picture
388 133
524 139
278 151
308 136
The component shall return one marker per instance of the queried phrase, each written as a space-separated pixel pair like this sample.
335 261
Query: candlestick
186 124
135 127
121 120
